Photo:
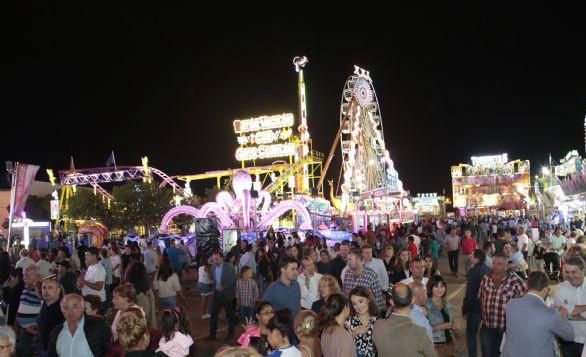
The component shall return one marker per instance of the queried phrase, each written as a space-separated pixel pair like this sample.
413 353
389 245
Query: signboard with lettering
264 137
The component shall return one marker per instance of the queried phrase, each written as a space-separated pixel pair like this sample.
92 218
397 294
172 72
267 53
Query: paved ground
200 328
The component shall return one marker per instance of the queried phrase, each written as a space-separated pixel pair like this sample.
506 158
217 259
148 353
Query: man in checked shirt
496 290
358 274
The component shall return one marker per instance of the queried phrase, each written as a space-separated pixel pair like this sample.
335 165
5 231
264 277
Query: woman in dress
401 268
439 313
305 329
327 286
363 315
336 341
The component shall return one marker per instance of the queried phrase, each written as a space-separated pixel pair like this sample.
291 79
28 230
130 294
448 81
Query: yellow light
263 123
51 177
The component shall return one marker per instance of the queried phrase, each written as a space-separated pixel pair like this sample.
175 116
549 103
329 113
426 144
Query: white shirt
116 261
378 266
247 259
73 346
522 240
311 295
45 268
95 273
410 280
203 276
569 296
24 262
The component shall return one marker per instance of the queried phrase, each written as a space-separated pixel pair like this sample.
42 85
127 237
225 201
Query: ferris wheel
367 164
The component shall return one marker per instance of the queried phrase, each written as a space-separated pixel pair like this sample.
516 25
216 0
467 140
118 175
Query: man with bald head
418 313
80 335
398 335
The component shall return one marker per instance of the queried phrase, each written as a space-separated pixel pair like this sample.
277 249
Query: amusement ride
255 197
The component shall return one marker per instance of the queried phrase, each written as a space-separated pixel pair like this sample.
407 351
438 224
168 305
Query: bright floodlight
545 170
300 62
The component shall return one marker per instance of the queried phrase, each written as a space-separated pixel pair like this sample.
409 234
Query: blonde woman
133 335
306 331
327 286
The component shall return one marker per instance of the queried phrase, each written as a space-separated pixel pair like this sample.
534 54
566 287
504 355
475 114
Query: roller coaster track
313 156
97 176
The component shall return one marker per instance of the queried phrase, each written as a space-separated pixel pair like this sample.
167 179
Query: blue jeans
472 323
490 340
169 302
246 312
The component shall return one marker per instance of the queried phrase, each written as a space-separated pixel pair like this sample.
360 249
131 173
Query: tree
38 208
140 203
84 204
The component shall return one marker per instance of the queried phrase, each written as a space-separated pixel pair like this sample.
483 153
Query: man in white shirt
377 265
417 270
308 283
93 281
522 241
570 299
24 260
558 241
46 268
247 259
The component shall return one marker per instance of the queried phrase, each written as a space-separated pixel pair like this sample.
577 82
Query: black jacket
97 333
471 303
338 264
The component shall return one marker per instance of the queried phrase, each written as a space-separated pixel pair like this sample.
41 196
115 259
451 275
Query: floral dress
364 342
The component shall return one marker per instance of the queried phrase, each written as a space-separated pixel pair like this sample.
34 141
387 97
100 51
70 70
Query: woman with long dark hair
166 285
136 275
401 268
265 274
363 315
336 341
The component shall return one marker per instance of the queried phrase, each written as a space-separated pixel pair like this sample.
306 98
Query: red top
413 249
468 245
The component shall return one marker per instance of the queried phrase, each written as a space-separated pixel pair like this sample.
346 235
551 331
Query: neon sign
264 137
263 123
490 161
265 151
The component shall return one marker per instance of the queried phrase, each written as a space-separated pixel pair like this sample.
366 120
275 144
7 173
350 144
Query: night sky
168 85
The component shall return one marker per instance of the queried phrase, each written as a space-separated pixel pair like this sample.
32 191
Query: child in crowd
176 338
247 293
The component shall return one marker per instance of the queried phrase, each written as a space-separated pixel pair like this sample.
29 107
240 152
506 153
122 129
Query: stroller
552 265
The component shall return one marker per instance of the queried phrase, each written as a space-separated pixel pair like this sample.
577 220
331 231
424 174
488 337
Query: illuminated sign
265 151
488 161
264 137
54 209
263 123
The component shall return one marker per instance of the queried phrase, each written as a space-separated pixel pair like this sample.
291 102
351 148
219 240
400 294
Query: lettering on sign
264 122
265 151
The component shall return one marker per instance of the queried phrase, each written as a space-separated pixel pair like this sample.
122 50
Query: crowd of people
379 294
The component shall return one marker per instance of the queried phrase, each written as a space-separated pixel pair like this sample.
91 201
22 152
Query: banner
23 180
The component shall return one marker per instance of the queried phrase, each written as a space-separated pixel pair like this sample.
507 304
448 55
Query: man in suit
532 325
224 281
398 335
